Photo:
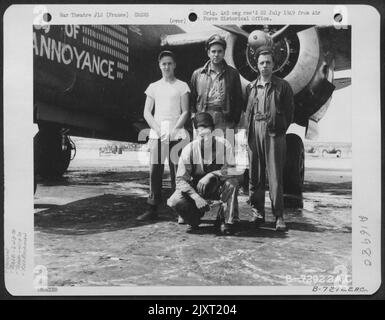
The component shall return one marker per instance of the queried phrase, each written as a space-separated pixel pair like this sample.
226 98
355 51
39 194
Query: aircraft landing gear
52 152
294 171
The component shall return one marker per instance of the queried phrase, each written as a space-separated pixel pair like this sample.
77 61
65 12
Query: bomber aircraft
89 80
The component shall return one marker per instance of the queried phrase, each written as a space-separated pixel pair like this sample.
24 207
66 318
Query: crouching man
203 176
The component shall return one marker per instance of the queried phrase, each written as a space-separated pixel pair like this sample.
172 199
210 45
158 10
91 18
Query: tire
50 160
338 153
294 171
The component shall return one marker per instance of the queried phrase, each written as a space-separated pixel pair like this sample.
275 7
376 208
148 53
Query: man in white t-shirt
169 99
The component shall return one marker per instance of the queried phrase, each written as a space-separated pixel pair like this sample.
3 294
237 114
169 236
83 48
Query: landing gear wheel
294 172
52 152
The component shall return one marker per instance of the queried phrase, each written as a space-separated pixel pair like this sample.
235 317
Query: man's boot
280 224
258 217
181 220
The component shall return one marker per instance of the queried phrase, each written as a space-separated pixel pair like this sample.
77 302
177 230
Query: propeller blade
280 32
234 30
289 29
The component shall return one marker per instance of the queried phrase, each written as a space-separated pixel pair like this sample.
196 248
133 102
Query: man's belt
261 117
215 108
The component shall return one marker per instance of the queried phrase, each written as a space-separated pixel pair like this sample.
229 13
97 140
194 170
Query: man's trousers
266 153
227 192
159 152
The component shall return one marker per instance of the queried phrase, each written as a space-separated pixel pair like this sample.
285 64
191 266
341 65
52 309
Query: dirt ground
86 233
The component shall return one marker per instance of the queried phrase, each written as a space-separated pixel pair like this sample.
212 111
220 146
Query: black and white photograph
200 155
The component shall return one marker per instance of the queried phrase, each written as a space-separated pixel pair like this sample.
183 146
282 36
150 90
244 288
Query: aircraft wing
188 38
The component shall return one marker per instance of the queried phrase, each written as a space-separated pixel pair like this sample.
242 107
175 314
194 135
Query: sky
336 125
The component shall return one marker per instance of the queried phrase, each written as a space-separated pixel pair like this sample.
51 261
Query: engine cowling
299 59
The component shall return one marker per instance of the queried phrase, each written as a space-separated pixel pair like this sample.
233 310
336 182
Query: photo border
354 77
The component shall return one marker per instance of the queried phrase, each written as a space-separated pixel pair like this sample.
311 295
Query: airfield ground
86 233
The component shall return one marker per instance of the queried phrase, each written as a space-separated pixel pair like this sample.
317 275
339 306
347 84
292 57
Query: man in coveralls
203 174
269 112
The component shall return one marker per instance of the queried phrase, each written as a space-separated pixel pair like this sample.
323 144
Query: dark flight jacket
279 106
200 88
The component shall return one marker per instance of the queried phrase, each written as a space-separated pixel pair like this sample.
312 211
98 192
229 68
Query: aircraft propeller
260 38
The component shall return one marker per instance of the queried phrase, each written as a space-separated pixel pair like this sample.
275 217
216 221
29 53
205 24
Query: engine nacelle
299 59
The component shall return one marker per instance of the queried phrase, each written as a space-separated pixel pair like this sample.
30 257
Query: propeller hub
285 48
259 38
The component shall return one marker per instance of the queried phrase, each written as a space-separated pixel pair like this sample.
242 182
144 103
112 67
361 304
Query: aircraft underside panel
89 125
92 78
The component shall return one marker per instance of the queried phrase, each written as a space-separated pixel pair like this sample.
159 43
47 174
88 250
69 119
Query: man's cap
265 50
215 39
166 53
203 119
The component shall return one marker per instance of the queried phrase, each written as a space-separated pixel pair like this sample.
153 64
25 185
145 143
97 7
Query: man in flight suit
269 112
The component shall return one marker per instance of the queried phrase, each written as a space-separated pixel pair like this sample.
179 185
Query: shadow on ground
97 214
84 177
337 189
243 229
111 212
108 213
